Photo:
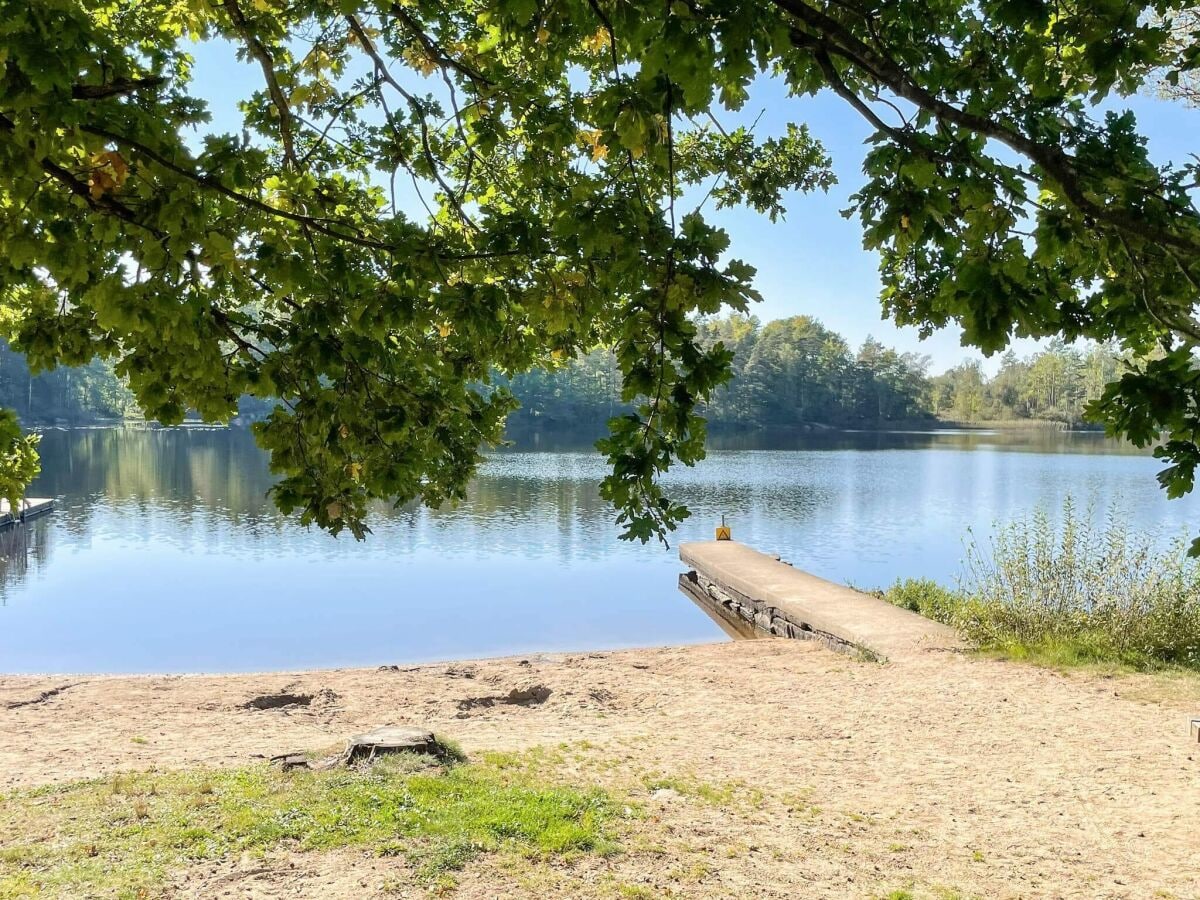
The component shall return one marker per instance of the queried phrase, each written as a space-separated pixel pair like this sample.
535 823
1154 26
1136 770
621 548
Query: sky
812 261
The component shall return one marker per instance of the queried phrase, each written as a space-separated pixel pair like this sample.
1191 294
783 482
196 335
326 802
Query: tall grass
1072 591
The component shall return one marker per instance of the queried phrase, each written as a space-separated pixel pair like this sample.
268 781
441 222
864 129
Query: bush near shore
1075 593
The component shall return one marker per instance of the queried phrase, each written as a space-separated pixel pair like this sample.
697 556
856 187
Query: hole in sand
534 695
279 701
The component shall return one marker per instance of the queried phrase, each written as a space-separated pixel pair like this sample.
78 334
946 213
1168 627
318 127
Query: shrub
1074 592
927 597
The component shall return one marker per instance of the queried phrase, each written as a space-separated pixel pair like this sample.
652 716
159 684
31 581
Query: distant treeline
797 373
76 395
788 373
1054 385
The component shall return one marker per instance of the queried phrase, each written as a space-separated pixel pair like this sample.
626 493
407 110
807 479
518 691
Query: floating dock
752 594
31 508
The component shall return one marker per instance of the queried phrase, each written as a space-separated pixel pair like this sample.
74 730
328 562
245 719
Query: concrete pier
31 507
752 594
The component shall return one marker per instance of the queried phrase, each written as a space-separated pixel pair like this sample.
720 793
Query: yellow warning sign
724 533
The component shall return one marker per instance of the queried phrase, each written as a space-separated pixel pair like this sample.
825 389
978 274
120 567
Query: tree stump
391 739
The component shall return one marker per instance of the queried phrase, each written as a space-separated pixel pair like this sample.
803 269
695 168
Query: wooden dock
751 594
31 508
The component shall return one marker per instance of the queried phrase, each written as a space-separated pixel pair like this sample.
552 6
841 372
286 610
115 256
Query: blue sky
812 262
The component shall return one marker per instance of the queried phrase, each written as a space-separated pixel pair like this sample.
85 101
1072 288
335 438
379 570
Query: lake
165 554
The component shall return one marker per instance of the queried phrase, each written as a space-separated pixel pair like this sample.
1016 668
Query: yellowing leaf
116 162
660 129
599 152
109 172
99 184
597 42
444 329
420 60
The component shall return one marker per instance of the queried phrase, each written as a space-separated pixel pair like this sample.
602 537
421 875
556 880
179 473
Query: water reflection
165 553
16 545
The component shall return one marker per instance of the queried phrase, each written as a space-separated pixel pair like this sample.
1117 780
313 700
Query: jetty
30 508
752 594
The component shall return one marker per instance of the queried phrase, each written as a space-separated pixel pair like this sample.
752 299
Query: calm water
165 554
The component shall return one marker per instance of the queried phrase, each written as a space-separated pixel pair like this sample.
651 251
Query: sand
949 775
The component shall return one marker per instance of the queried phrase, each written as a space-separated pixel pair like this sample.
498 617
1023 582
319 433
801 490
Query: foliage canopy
549 143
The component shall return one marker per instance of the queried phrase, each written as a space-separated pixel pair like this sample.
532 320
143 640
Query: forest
795 372
790 372
76 395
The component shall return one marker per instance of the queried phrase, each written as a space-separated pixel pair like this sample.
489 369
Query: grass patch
635 892
123 838
1072 594
934 893
724 795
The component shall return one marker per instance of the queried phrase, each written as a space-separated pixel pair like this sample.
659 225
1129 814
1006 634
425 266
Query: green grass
635 892
724 795
124 837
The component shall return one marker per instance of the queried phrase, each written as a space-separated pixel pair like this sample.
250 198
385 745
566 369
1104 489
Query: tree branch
434 51
382 71
832 36
207 181
267 63
104 203
114 88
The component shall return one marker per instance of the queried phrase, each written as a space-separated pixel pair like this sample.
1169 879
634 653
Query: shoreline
400 665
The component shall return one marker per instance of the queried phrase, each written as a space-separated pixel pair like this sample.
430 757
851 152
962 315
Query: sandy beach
945 776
